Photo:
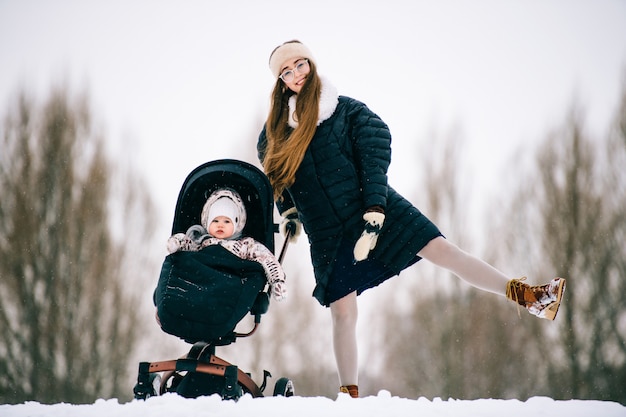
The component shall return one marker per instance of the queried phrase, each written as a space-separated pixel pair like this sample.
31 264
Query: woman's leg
474 271
344 313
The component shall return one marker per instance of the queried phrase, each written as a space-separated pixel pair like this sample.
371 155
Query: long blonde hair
286 146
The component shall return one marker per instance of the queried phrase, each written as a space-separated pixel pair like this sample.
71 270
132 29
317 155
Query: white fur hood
329 98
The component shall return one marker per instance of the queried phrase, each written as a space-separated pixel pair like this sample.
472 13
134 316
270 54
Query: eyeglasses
302 67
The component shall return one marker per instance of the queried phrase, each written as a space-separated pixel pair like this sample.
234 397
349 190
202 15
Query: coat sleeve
261 145
371 142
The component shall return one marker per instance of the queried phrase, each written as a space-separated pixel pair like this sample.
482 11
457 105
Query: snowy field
382 405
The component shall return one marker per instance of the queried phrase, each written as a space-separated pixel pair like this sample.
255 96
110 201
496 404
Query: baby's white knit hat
225 202
223 207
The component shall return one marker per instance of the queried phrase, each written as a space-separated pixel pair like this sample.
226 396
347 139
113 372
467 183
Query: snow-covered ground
382 405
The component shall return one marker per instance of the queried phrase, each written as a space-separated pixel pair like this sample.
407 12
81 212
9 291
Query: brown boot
541 300
353 390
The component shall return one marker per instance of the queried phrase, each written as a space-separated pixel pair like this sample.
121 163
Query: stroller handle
291 230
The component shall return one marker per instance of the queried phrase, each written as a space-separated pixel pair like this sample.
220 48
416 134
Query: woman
326 157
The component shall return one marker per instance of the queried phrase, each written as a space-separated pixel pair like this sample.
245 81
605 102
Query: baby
223 219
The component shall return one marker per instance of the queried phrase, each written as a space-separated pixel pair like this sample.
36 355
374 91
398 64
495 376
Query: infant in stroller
212 275
223 219
220 268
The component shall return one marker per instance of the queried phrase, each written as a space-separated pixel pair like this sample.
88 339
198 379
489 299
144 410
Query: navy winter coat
344 172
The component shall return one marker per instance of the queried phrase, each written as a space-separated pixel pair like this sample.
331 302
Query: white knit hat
228 203
223 207
286 51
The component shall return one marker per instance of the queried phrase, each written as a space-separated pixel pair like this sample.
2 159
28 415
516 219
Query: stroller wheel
148 387
155 380
284 388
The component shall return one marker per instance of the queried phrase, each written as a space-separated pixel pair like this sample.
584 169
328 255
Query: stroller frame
253 186
202 359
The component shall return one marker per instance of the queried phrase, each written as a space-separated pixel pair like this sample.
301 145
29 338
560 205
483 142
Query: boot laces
538 296
352 390
514 288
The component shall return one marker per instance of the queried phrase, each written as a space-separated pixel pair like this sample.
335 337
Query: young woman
327 158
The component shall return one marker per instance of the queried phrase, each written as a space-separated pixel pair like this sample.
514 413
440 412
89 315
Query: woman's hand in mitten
291 222
373 224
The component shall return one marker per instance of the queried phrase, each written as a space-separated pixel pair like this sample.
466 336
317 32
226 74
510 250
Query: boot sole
553 308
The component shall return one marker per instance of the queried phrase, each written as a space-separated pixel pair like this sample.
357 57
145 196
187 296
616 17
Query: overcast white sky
176 83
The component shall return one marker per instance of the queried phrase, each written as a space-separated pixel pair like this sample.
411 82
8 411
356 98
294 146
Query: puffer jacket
344 171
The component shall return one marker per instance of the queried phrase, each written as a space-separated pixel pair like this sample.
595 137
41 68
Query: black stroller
202 296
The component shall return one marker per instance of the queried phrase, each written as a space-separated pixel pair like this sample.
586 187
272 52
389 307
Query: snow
383 404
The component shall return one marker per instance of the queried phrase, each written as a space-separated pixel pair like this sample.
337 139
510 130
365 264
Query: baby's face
221 227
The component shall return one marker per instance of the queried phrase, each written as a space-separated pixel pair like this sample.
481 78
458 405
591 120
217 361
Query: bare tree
452 340
67 318
573 209
422 341
583 217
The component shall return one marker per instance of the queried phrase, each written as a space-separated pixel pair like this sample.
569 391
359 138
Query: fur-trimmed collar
329 98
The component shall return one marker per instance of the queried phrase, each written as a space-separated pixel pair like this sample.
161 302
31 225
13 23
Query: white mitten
273 271
373 223
175 242
279 290
290 220
182 242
